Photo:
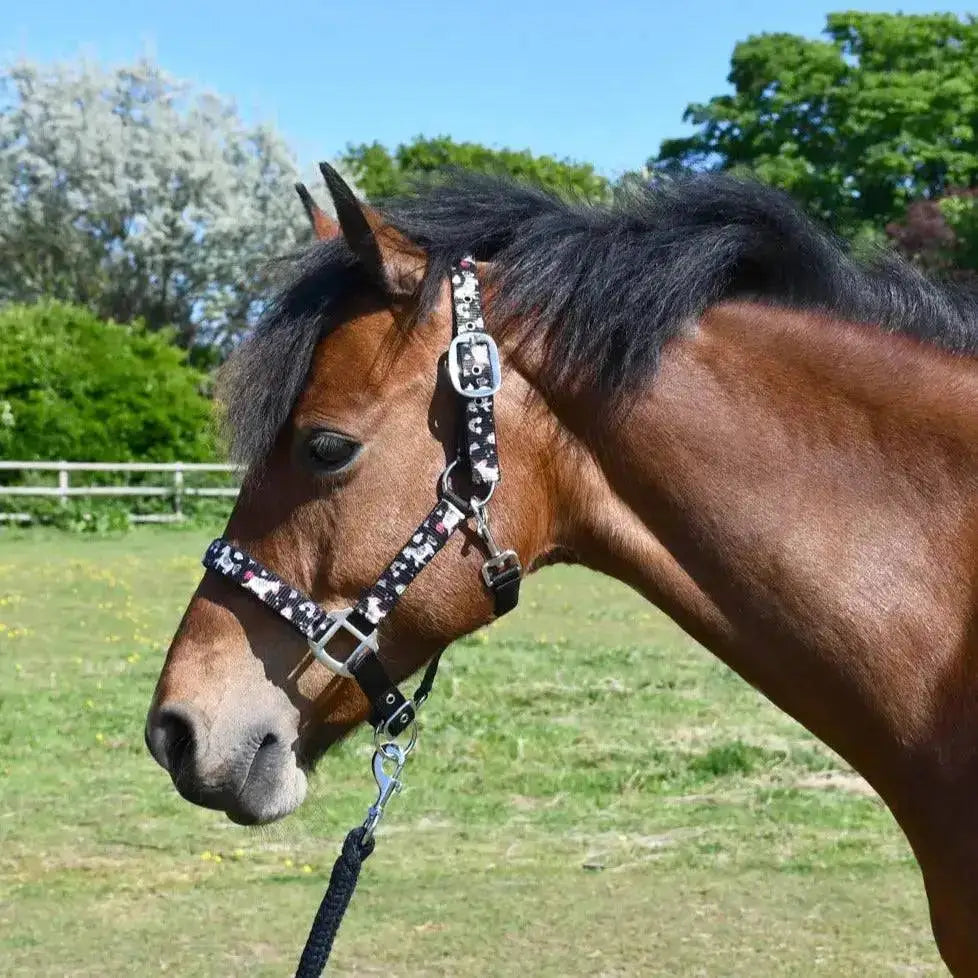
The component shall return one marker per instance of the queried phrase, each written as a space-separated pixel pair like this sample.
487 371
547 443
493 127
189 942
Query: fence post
63 484
178 490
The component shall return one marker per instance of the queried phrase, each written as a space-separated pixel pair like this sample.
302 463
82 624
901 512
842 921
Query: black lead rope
342 883
473 367
357 845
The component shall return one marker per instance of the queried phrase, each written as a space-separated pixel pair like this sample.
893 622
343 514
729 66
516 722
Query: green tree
881 113
380 173
76 388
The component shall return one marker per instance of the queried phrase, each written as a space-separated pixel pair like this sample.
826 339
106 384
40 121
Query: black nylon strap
296 607
505 587
431 535
388 707
304 614
427 681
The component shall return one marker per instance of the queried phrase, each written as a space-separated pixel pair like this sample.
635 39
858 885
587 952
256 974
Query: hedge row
77 388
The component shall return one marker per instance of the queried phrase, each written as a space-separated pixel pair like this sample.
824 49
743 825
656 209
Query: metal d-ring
381 745
467 506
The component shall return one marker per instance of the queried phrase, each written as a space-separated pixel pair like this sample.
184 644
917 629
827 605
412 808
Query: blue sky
596 81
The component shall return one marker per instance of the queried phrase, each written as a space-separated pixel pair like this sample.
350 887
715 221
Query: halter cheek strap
473 366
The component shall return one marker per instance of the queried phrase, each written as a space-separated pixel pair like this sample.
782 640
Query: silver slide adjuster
339 621
493 380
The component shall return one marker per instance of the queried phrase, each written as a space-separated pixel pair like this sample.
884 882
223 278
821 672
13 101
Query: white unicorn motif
420 554
224 561
451 519
487 472
261 586
373 611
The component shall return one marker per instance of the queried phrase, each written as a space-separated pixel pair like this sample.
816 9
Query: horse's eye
332 452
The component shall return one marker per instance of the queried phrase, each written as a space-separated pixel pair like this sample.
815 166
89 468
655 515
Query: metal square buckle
472 338
339 621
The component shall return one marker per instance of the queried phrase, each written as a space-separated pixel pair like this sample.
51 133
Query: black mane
608 285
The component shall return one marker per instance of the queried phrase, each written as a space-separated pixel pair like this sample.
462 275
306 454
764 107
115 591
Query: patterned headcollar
473 367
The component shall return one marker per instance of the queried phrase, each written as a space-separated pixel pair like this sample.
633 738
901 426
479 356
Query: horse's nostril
266 761
247 770
179 740
171 739
265 755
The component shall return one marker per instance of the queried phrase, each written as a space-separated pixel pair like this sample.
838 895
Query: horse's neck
797 494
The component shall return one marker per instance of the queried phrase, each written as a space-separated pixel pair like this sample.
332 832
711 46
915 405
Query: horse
706 397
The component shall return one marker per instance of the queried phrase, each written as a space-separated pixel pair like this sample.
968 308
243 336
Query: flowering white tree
127 192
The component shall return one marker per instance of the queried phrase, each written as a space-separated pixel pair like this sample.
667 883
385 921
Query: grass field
656 817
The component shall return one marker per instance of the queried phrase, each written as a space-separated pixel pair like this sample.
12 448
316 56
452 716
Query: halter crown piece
473 368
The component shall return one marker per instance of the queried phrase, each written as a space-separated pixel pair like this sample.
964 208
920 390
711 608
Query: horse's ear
396 263
323 226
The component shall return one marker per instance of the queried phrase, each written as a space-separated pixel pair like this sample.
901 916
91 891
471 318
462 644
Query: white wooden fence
176 488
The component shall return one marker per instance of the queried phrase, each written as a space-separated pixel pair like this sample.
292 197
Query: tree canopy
381 173
882 112
127 192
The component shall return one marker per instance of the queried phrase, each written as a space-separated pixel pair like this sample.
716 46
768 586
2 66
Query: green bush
77 388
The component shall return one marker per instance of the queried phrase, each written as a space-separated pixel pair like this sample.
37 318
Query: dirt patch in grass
847 781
